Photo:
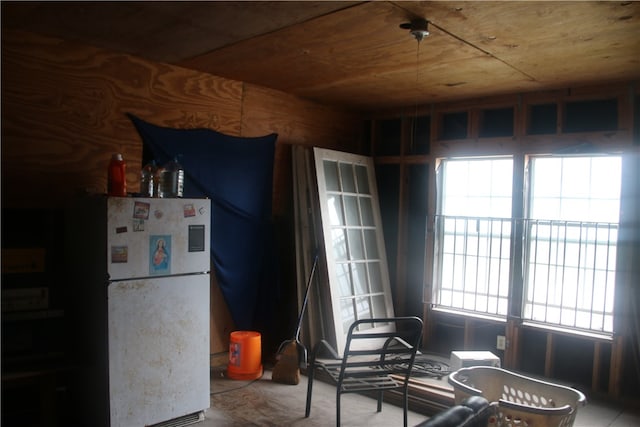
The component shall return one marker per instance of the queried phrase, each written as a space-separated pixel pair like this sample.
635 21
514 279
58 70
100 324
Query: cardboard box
464 359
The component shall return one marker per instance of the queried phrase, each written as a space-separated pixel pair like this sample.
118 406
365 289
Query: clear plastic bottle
117 176
161 190
171 180
148 179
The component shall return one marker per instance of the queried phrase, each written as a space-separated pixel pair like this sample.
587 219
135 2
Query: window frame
521 200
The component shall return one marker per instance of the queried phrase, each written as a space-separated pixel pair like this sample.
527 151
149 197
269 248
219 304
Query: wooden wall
63 115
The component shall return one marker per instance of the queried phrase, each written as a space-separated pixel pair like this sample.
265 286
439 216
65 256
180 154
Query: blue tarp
237 175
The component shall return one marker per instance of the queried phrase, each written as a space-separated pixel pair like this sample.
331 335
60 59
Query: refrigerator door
158 349
157 237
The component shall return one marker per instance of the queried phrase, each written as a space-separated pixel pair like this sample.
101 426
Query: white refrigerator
140 268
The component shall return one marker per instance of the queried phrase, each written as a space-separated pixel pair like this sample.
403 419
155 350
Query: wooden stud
428 322
468 333
512 352
401 242
548 359
615 371
595 373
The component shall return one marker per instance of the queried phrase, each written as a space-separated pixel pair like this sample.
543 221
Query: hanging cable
414 125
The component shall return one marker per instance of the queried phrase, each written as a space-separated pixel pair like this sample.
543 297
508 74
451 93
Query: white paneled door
354 244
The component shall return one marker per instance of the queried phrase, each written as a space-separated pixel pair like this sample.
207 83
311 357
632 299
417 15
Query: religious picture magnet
160 254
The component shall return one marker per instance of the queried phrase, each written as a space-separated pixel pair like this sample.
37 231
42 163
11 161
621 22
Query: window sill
598 336
474 315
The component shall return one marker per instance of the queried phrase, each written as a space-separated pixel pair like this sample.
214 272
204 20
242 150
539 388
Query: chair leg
406 405
310 371
337 407
380 400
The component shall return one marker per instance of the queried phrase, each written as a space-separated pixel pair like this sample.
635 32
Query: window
560 258
571 241
473 235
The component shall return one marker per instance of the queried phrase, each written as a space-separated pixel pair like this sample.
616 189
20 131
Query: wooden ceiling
355 54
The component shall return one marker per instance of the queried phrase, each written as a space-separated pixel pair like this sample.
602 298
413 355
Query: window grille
569 269
570 273
474 266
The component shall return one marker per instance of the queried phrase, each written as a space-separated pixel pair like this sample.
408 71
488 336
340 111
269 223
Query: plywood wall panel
297 122
63 113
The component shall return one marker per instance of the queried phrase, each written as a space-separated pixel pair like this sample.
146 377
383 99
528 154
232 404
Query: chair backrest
387 344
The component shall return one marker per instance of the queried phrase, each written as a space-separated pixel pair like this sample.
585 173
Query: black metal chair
378 356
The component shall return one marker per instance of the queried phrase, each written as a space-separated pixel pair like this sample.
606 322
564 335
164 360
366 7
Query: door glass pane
339 244
342 273
367 211
378 306
331 176
335 210
346 174
364 326
348 313
375 277
360 279
356 246
371 244
351 209
363 305
363 180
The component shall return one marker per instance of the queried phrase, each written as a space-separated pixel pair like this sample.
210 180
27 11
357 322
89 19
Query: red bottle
117 183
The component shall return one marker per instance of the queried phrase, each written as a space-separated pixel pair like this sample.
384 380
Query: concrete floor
266 403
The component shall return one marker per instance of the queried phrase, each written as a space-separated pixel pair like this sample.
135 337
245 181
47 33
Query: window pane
581 188
478 187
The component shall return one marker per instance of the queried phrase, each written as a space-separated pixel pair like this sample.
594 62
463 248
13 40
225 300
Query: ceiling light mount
418 28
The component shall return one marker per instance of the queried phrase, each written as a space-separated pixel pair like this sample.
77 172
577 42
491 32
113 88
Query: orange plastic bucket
245 355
